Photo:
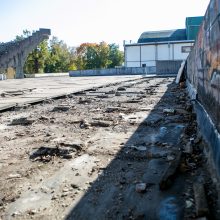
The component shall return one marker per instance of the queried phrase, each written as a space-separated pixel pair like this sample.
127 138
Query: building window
186 49
144 65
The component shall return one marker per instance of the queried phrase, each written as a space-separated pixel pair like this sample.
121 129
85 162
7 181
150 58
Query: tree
26 33
72 64
35 62
59 57
91 61
56 56
96 56
103 55
36 59
115 56
85 56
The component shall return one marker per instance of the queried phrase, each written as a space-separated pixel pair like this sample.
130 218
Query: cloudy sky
78 21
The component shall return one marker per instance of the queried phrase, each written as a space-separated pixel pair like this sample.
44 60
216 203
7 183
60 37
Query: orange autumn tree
97 56
81 53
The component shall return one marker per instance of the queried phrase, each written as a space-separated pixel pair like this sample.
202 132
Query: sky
80 21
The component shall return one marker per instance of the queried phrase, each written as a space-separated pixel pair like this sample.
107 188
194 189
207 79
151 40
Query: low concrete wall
168 66
211 136
40 75
203 64
110 72
161 68
3 77
203 74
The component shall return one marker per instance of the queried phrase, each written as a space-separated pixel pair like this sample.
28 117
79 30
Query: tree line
54 55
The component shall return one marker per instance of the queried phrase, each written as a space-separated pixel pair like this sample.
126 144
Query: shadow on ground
143 159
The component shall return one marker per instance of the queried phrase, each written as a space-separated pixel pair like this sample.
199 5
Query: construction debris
61 108
169 174
141 187
169 110
86 156
202 209
22 121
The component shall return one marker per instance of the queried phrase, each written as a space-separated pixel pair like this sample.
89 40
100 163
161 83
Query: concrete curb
41 75
210 134
208 130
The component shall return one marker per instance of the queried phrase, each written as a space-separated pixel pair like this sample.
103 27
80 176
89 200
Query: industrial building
157 49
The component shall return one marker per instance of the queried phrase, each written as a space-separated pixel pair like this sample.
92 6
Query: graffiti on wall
204 62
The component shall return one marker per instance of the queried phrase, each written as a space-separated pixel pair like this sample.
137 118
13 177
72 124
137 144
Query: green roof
194 21
167 35
192 26
190 33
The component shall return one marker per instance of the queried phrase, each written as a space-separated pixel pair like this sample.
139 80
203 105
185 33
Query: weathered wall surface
203 64
111 72
203 72
161 68
168 66
13 54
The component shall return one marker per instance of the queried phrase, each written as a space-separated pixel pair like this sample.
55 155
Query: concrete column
19 66
140 56
2 73
156 52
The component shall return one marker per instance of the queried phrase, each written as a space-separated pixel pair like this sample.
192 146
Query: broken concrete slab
43 88
201 204
169 174
22 121
105 171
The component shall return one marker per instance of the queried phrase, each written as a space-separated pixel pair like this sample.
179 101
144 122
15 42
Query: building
157 49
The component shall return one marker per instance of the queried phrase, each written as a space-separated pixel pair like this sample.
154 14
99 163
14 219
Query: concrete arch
13 54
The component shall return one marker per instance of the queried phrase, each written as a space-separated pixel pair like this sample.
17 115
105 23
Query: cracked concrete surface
17 92
84 156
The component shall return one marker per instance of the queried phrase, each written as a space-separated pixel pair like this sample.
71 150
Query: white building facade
164 50
146 54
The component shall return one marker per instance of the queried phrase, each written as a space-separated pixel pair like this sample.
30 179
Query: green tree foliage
103 55
59 57
36 60
97 56
55 56
72 64
82 55
26 33
115 56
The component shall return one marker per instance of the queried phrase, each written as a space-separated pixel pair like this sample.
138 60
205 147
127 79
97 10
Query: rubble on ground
131 150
